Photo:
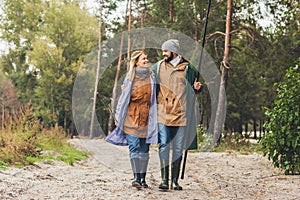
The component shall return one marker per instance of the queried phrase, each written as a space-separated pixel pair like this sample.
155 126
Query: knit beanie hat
171 45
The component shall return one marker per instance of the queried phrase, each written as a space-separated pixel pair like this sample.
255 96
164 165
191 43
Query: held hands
122 87
197 85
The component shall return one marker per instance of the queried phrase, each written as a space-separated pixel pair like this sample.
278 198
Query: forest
51 42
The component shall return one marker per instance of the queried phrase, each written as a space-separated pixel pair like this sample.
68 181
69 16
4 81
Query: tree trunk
114 94
3 113
240 124
254 129
171 11
97 73
219 121
260 128
65 119
129 28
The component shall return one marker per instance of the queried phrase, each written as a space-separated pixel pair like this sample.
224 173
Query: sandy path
107 175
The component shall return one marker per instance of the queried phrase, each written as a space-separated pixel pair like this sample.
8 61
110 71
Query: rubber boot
175 170
164 185
136 172
143 172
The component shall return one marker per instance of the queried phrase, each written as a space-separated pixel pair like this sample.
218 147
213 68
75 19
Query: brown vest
136 121
171 98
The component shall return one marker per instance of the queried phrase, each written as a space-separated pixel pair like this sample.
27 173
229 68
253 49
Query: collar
176 61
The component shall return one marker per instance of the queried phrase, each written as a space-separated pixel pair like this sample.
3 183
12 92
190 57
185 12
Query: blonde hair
133 60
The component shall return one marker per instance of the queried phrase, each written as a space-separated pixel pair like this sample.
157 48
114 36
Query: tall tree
20 24
129 28
97 71
114 92
8 100
67 33
220 112
171 11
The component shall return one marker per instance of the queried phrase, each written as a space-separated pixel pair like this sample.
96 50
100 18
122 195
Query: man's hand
197 85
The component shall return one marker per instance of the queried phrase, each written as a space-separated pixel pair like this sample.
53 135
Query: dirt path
107 175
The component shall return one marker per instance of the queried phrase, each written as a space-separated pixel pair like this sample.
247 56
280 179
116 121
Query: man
176 112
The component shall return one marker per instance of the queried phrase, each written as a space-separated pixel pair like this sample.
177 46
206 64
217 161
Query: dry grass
19 137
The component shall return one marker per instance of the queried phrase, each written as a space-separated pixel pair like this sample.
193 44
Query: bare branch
216 47
215 33
249 32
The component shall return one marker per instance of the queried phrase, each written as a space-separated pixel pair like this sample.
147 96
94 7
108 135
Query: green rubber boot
136 172
175 170
164 185
143 172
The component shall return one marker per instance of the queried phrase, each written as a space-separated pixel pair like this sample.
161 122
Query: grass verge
25 141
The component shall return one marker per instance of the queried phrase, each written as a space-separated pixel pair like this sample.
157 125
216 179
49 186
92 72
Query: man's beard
169 58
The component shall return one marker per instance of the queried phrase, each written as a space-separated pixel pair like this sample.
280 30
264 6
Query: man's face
168 55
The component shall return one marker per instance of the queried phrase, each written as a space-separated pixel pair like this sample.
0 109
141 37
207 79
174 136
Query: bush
18 140
282 140
25 141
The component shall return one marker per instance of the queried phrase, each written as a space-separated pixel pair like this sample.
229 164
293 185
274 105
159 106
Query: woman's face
142 61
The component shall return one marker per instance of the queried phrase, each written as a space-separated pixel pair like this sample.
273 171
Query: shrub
282 140
18 140
25 141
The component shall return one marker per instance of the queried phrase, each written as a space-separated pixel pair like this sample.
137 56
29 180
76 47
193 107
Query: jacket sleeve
192 74
155 69
123 101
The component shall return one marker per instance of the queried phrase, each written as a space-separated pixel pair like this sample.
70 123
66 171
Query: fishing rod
204 38
198 75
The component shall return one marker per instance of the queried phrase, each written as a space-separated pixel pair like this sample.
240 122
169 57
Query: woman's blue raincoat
117 136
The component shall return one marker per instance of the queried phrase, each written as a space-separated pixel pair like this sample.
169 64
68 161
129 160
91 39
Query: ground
106 174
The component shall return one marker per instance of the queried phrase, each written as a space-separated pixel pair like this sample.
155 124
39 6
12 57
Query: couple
156 106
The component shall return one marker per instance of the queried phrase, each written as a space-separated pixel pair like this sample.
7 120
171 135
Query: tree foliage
282 141
9 101
69 33
49 40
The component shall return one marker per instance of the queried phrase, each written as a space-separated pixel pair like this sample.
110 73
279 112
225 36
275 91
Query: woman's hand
122 87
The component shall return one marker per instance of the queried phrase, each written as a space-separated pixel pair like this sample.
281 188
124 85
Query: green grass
3 165
70 155
232 143
66 153
56 147
240 147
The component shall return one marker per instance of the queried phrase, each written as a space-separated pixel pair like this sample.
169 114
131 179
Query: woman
136 116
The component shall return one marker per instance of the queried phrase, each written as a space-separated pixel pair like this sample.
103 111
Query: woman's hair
133 60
